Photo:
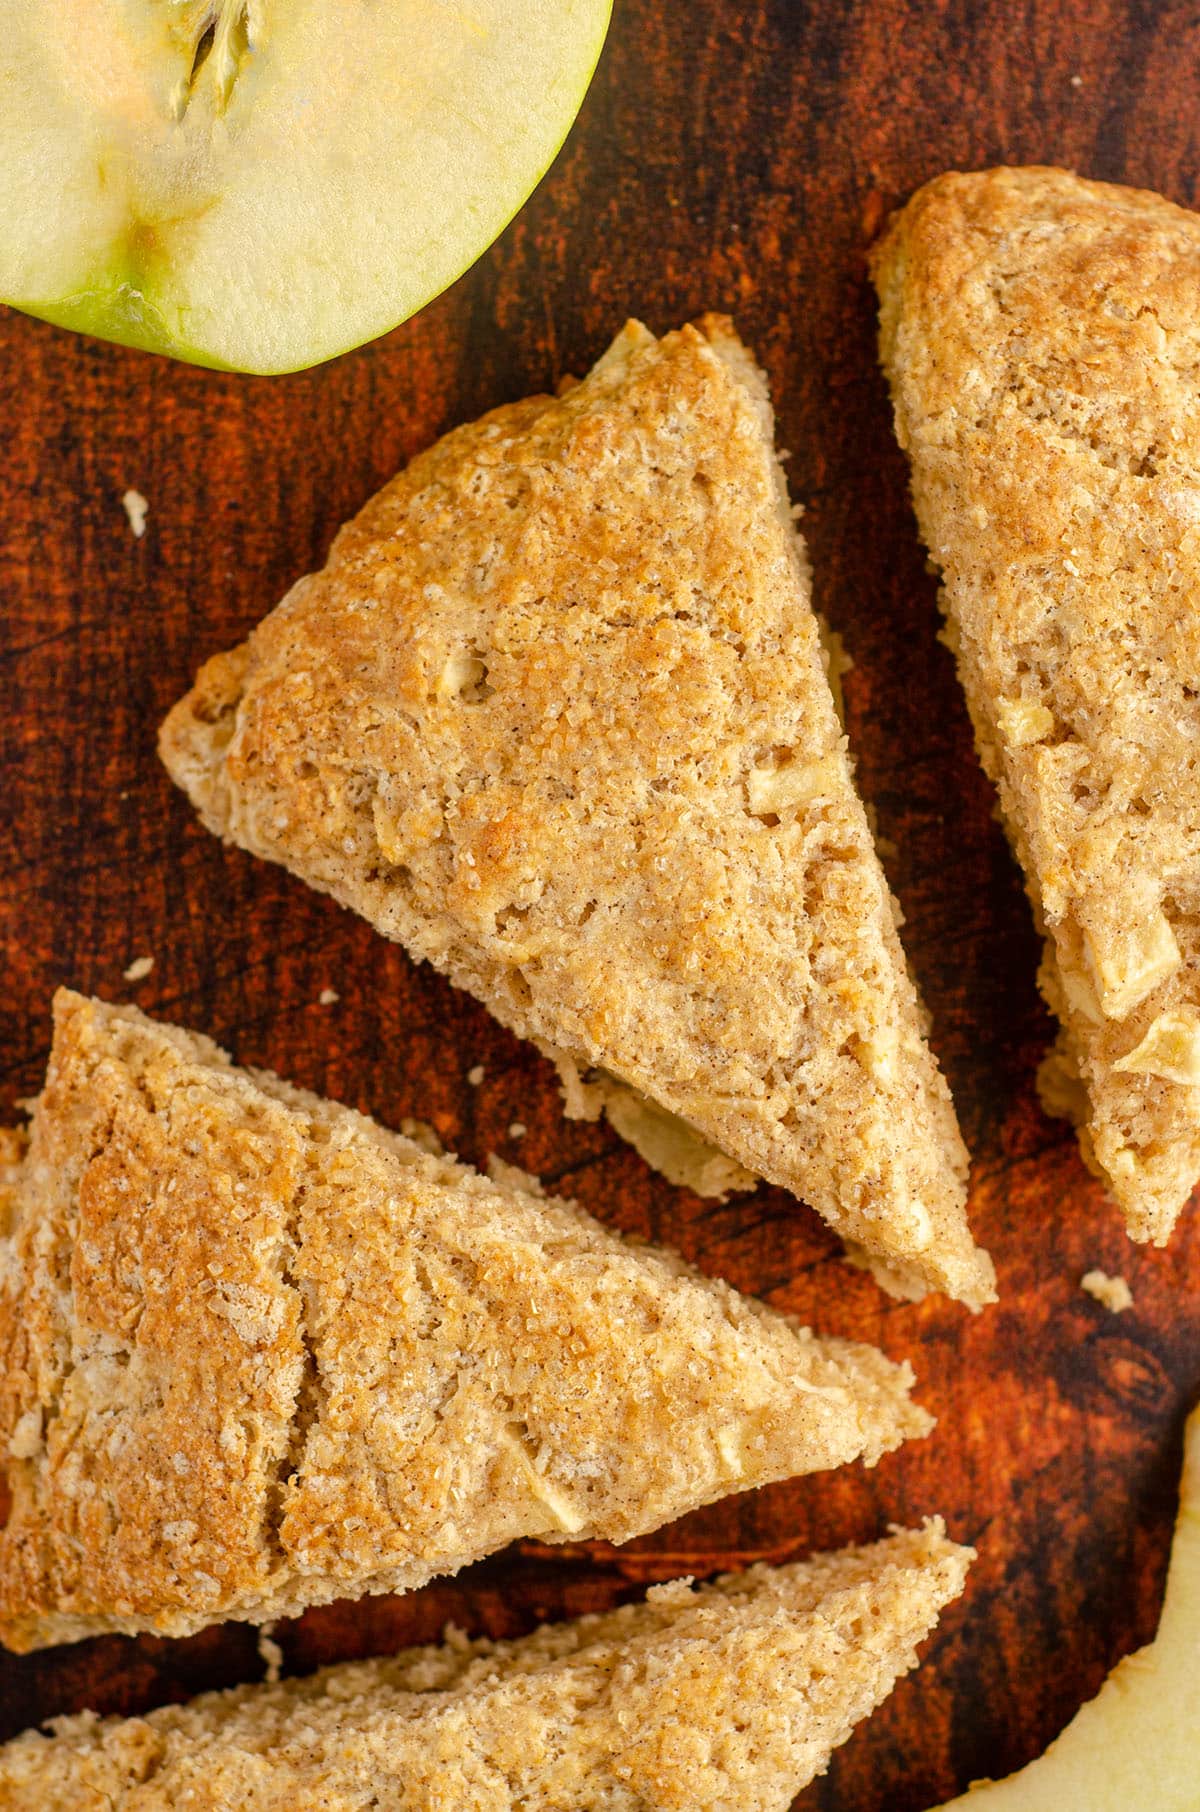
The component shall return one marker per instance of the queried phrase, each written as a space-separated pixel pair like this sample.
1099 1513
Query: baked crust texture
257 1352
555 716
1042 339
731 1697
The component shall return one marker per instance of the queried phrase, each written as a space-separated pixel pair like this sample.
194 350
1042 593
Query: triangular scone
554 716
256 1352
730 1698
1041 335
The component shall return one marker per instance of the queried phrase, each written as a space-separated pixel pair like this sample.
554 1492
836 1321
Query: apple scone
731 1698
257 1353
554 716
1040 334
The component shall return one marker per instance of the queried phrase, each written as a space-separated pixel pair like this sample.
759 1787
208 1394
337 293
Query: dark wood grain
734 157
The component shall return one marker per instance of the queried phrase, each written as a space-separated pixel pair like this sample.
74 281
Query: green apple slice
260 184
1137 1744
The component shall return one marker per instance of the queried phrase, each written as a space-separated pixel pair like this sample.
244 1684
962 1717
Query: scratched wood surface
727 157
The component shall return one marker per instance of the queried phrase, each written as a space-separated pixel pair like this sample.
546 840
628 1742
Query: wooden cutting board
729 157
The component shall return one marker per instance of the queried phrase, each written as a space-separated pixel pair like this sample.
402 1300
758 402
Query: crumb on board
1113 1292
328 997
1077 81
139 968
475 1075
517 1130
137 509
271 1653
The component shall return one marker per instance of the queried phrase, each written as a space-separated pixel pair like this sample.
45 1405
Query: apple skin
117 309
122 315
119 306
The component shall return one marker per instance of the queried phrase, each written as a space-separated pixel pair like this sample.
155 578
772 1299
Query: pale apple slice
260 184
1137 1744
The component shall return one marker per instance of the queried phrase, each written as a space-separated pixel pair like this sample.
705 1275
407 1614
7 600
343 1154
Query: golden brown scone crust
256 1352
1042 338
730 1699
554 716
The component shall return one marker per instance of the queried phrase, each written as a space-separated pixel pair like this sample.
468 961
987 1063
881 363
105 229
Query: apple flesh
260 184
1136 1745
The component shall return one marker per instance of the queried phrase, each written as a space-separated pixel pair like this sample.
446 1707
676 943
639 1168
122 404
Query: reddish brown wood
729 157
